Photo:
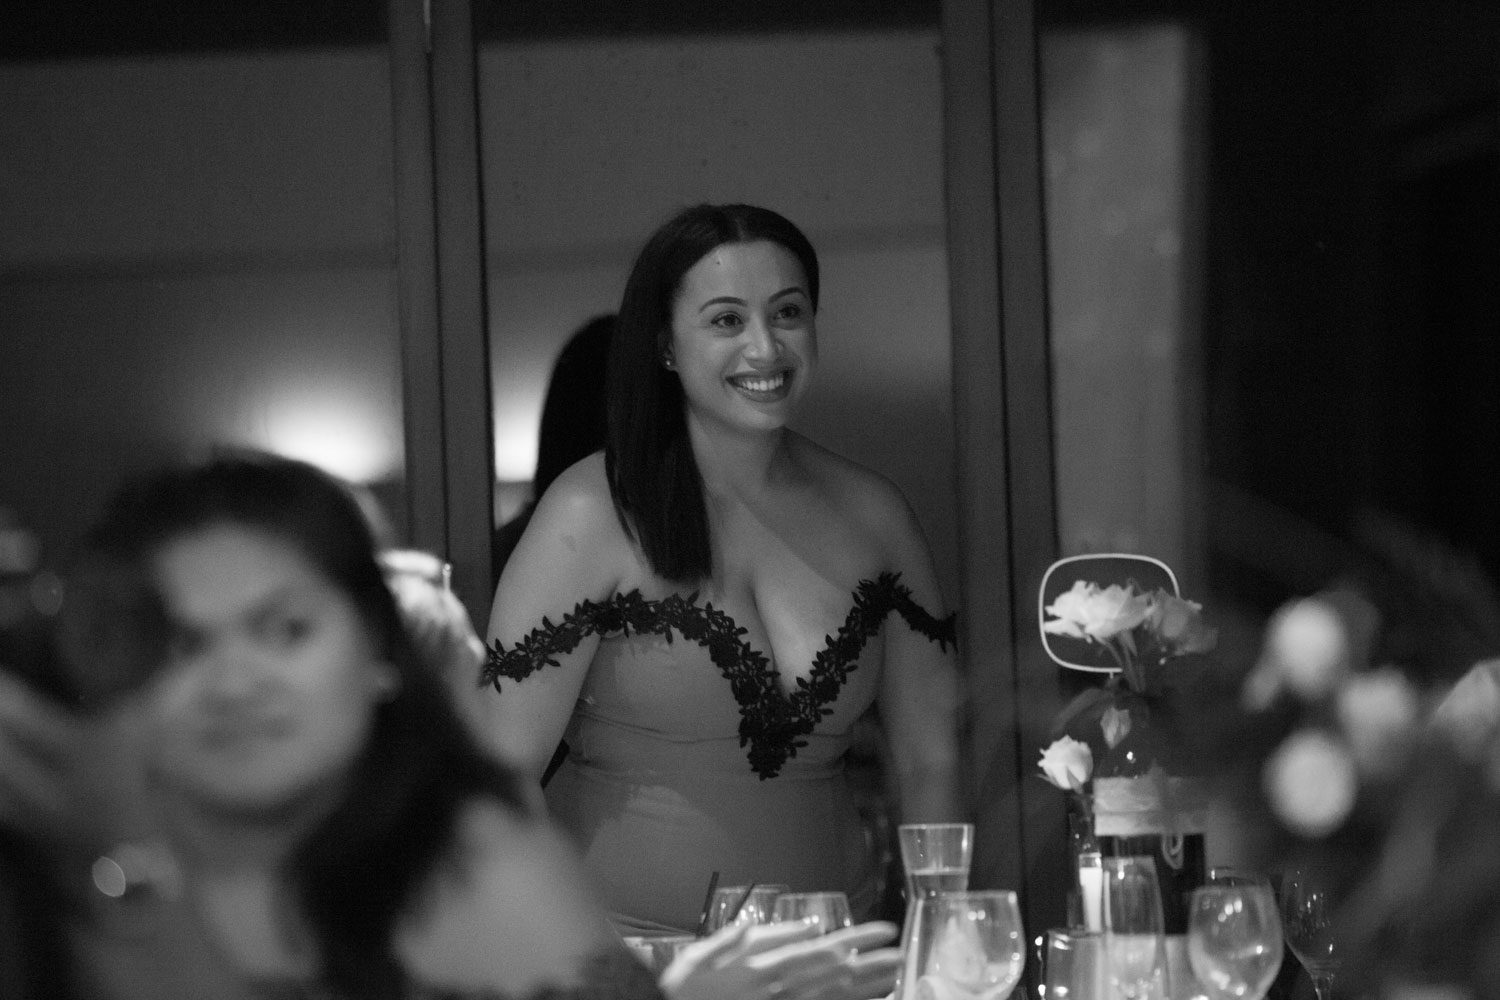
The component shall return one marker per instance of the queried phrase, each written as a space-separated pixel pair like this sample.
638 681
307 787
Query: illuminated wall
1124 280
193 250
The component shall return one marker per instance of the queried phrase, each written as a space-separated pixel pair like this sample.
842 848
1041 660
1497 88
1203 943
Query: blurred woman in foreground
323 824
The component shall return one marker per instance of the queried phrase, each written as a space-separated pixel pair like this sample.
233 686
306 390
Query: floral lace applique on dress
772 724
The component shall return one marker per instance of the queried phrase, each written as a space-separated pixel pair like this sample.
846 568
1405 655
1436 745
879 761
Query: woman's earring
387 683
667 362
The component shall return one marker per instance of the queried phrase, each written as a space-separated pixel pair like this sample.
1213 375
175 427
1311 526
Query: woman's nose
762 344
231 674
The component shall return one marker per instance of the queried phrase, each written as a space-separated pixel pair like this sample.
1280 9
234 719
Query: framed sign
1104 570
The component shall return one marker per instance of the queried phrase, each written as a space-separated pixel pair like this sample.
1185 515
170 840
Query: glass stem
1323 985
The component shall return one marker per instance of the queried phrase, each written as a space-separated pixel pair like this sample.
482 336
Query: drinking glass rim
973 894
1214 889
820 894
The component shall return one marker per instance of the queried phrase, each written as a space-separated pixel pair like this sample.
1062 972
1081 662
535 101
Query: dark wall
1354 241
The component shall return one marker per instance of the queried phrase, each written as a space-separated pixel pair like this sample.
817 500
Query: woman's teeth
767 383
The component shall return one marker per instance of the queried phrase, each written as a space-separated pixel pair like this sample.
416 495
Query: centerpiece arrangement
1124 749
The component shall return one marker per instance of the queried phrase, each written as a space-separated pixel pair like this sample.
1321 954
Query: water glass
734 905
1134 938
936 858
965 944
1234 939
827 911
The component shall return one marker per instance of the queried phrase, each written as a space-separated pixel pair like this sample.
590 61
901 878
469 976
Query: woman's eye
727 321
789 312
183 645
286 630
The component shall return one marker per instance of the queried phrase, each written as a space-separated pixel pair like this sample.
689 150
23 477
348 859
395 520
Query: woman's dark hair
356 872
653 479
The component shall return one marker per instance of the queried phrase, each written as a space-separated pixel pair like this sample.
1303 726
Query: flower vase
1163 817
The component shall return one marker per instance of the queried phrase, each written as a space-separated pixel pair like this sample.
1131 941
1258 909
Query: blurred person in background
572 424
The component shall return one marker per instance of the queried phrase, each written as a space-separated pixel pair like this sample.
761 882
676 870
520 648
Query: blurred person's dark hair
653 477
356 872
572 426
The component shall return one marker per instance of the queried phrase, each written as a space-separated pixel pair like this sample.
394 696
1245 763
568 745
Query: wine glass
965 944
827 911
733 905
1224 875
1307 923
1234 939
1134 934
1072 968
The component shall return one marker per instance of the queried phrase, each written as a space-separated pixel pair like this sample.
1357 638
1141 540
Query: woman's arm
573 550
919 695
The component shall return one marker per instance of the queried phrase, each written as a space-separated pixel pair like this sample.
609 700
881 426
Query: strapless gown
687 756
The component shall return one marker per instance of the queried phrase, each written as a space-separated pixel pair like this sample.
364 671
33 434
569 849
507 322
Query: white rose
1113 610
1087 612
1067 763
1067 611
1311 783
1307 648
1378 712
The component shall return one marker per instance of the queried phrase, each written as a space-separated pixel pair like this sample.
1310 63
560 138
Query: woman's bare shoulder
577 515
867 496
580 493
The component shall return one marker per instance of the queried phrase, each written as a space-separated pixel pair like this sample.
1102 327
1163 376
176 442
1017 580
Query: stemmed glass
827 911
1134 931
1237 876
1307 922
1234 939
965 944
743 904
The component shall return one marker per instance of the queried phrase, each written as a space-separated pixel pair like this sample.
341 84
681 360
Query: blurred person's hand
786 961
67 781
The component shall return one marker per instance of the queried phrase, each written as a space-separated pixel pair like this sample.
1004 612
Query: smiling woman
707 609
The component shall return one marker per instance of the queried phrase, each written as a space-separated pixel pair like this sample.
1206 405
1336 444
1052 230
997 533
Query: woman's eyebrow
722 300
733 301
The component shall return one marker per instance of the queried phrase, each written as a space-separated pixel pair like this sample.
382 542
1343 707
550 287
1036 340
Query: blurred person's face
743 337
268 694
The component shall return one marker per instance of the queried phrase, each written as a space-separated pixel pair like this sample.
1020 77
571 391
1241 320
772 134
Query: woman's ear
387 681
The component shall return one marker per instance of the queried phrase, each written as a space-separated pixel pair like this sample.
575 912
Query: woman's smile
768 388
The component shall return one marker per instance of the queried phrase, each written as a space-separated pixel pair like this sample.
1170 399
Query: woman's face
744 341
271 682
